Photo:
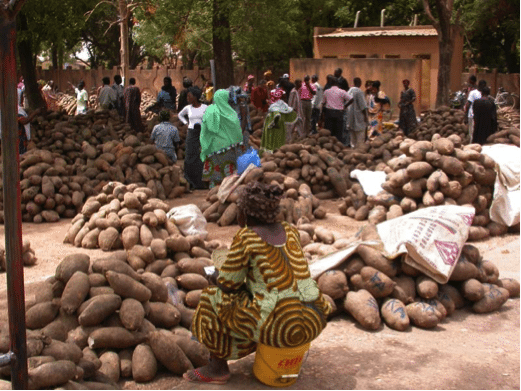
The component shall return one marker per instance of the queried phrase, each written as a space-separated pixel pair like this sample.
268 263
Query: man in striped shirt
335 102
306 93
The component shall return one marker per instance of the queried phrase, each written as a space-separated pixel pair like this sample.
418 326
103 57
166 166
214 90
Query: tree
447 30
492 28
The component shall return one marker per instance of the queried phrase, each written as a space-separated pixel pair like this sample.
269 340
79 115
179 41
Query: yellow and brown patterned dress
277 302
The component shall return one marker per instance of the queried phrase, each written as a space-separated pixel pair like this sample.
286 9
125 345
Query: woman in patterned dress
264 293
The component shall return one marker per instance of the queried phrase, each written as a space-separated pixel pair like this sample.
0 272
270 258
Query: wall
405 46
509 81
390 72
149 80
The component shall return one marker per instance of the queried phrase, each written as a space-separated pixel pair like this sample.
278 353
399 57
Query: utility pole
17 356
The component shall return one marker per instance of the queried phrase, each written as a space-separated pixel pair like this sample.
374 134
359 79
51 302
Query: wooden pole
12 211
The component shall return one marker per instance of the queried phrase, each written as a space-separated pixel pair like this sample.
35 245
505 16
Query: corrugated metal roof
354 33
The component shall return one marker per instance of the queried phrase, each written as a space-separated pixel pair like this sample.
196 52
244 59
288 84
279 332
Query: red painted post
12 212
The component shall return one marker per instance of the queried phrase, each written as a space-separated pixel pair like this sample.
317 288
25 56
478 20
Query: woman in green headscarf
221 139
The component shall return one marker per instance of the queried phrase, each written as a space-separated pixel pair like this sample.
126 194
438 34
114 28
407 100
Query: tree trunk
124 52
222 46
446 48
28 67
54 56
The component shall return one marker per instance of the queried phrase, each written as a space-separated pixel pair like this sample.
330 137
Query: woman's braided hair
261 201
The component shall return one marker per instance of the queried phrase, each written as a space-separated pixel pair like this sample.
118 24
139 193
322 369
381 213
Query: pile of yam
429 173
58 178
508 128
94 323
372 288
123 216
299 201
443 121
28 255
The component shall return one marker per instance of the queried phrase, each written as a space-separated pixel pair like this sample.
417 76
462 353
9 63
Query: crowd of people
294 109
219 123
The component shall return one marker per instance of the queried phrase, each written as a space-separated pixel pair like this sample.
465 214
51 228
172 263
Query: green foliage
492 28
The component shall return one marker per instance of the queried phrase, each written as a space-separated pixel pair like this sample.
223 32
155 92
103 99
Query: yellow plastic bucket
278 367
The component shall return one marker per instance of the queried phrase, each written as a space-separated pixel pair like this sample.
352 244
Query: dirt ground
465 351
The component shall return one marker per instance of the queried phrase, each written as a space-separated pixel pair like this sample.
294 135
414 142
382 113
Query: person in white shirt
316 103
107 95
469 111
82 98
193 116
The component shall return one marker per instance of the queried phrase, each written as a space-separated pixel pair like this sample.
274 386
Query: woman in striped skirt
264 293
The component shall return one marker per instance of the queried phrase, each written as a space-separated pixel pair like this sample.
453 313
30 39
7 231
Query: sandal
200 378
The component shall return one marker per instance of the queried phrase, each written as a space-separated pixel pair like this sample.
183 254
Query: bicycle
505 99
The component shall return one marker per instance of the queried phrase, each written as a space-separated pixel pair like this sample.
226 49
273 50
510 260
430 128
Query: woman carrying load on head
264 293
279 115
221 139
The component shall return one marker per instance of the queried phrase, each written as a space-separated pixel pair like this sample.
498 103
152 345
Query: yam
168 352
192 281
364 308
405 289
353 265
511 285
71 264
99 308
144 364
374 258
394 314
114 338
472 290
426 287
196 352
108 238
423 315
41 314
492 300
163 315
75 292
51 374
452 293
333 283
463 270
131 314
110 366
63 351
419 170
324 235
130 237
375 282
127 287
125 363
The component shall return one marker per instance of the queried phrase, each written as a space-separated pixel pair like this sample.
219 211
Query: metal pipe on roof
356 18
415 20
382 17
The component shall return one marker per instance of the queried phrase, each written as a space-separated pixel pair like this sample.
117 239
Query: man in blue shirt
166 136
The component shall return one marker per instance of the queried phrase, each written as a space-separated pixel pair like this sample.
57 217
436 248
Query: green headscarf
221 127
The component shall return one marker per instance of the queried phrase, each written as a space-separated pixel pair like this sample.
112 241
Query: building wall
406 47
389 72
